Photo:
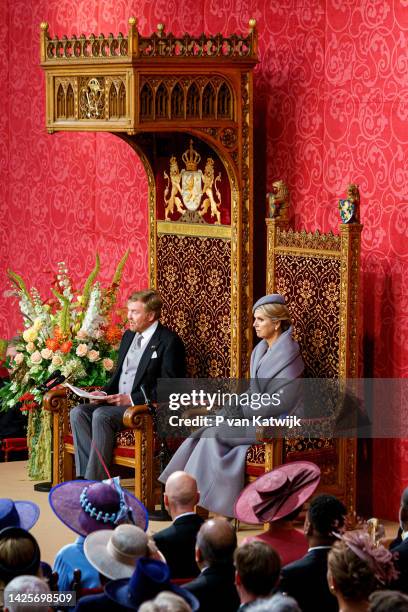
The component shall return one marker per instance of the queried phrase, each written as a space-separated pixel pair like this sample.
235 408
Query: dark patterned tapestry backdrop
311 288
194 277
331 100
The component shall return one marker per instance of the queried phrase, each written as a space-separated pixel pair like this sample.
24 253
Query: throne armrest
55 400
137 417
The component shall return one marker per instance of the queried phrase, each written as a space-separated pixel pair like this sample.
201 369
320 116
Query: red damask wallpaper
331 107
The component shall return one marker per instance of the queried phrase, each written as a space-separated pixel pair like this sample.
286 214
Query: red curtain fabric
331 99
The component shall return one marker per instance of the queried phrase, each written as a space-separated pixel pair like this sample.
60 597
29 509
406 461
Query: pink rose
36 358
19 358
57 361
81 350
107 364
93 355
46 353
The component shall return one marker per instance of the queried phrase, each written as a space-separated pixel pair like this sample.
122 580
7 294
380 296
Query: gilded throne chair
319 276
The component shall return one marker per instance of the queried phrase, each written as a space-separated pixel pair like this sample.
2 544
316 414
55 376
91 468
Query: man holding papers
148 351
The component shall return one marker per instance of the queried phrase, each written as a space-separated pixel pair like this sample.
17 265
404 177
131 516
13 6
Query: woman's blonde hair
276 312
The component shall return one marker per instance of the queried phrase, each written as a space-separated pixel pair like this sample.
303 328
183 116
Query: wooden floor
50 532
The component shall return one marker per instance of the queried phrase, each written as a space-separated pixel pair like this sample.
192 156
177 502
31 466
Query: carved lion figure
278 200
209 183
174 179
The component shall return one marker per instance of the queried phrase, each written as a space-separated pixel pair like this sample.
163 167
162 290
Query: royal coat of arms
191 191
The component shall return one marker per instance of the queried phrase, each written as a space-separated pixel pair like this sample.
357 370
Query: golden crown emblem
191 158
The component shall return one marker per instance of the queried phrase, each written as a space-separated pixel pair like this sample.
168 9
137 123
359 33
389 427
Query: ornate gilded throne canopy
147 89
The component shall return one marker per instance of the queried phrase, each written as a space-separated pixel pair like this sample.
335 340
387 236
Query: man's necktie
135 349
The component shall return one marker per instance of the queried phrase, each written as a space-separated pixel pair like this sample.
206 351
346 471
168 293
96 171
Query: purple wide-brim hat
277 493
65 501
22 514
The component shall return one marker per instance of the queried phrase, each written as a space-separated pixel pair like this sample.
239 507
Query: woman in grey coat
215 456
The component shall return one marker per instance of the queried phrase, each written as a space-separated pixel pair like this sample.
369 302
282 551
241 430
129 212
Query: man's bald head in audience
216 542
181 493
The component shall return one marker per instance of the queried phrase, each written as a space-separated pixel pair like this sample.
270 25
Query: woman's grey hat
273 298
115 553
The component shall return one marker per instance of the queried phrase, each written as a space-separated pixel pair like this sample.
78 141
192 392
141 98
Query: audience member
166 602
305 579
277 603
277 498
400 546
19 555
150 578
18 513
388 601
84 506
177 542
22 514
30 585
257 569
356 568
215 587
115 554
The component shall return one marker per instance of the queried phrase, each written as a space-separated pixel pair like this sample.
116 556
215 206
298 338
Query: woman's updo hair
353 576
277 312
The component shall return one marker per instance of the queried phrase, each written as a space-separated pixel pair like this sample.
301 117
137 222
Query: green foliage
86 292
19 284
119 269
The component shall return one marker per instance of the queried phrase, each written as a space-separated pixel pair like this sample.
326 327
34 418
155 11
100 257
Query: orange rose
52 344
66 346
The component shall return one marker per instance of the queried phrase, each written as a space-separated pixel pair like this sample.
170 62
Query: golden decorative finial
252 23
160 28
44 25
132 21
191 158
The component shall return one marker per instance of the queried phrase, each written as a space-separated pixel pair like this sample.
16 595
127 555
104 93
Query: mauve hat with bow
278 493
272 298
88 505
22 514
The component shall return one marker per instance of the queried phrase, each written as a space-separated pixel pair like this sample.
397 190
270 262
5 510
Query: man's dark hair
326 514
258 566
388 601
217 542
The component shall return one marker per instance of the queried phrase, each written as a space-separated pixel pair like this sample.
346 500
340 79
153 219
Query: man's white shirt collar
148 333
184 514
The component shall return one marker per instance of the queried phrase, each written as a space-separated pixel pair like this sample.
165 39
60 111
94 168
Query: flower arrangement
74 332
